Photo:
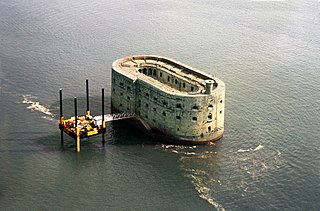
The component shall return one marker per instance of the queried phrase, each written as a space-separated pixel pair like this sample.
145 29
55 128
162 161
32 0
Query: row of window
179 106
177 117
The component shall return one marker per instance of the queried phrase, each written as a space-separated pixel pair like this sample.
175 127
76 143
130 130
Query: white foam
190 153
251 149
244 150
204 192
258 147
35 106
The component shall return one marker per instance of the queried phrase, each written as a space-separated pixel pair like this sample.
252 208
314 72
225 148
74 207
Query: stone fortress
172 101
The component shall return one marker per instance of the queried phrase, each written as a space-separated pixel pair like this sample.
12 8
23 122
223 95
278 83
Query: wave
251 149
36 106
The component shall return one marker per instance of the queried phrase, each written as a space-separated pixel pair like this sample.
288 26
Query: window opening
195 107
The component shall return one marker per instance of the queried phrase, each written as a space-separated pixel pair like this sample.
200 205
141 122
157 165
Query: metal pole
75 111
61 117
87 94
76 126
103 122
60 93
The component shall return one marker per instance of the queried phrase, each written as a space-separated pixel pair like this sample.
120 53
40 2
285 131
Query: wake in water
200 178
210 170
36 106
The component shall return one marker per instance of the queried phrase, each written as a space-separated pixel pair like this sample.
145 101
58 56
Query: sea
266 51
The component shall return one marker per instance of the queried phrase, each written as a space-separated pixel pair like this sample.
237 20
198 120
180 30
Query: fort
172 101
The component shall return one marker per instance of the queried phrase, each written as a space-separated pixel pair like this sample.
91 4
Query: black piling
60 94
76 120
75 112
87 95
61 115
103 123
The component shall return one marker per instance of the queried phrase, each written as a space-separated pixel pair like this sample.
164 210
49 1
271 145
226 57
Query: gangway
87 125
116 116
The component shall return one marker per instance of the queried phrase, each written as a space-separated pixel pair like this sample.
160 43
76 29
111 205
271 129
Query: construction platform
87 125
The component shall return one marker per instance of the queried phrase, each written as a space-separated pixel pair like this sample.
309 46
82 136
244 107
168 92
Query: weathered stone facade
170 98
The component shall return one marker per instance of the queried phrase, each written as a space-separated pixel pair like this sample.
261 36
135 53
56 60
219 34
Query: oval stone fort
172 102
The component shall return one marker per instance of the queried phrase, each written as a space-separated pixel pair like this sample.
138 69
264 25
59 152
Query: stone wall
192 117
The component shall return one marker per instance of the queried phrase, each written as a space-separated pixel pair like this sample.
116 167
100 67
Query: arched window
195 107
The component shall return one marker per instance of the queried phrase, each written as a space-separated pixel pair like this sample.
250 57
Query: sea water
266 52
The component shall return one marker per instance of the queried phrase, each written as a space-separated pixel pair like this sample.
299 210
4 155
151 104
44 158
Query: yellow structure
79 127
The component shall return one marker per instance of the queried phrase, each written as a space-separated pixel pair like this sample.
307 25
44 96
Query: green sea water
266 52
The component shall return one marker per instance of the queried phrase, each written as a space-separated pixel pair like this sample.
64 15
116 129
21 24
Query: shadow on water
118 132
125 133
